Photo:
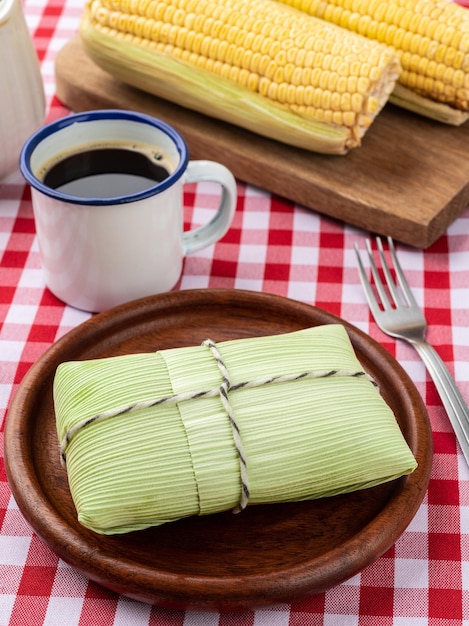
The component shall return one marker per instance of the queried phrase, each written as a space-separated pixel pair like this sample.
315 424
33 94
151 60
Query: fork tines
399 289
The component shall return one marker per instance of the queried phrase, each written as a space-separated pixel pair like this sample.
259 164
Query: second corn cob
431 38
260 65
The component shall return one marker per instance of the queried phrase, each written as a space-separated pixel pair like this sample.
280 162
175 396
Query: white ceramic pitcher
22 100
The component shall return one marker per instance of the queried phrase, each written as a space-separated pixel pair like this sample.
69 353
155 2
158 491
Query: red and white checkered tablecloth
276 247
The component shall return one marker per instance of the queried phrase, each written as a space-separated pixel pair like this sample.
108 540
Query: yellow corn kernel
432 29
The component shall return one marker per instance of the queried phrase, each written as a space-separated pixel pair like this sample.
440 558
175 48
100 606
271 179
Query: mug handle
210 171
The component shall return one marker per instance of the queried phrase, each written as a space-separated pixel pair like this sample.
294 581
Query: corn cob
431 38
260 65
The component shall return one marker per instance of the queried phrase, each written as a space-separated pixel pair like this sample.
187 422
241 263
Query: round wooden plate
265 555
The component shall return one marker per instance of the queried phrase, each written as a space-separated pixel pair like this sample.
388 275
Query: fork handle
456 407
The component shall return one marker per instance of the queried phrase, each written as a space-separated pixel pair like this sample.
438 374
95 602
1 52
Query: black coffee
106 172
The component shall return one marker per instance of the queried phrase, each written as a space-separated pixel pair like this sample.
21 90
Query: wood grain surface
267 554
409 179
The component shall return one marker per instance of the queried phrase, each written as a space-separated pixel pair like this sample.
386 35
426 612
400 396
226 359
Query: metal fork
400 316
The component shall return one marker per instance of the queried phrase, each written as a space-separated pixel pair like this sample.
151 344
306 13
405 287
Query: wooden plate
265 555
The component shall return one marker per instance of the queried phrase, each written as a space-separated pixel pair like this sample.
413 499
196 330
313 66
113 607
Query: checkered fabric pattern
276 247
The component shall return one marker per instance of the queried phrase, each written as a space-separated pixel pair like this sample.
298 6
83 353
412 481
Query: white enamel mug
101 252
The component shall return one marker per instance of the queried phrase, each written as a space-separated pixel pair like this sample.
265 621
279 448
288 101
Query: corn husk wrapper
307 438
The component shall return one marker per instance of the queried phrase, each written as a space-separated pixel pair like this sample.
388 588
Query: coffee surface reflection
108 172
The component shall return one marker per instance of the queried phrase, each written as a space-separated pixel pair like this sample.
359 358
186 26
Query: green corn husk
302 439
408 99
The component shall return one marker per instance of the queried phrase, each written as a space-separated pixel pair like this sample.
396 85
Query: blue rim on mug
106 114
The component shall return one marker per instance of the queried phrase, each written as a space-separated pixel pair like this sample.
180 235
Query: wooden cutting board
409 179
